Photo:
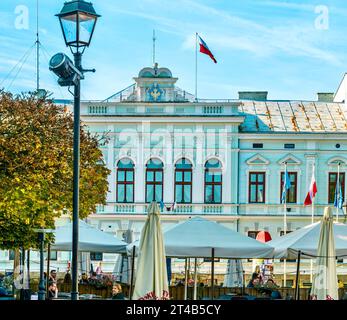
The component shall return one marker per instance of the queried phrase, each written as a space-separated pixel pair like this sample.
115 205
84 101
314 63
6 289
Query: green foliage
36 169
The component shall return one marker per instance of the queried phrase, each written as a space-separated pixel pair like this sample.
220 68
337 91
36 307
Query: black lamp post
42 287
77 20
41 237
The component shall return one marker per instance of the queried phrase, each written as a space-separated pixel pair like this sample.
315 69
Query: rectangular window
154 185
96 256
292 192
53 255
256 192
11 255
125 185
183 186
253 234
258 145
332 185
289 146
213 187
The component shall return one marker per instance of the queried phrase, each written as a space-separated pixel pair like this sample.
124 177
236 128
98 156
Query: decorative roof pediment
290 160
155 72
257 160
336 160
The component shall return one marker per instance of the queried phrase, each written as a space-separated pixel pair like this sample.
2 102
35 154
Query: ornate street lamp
77 20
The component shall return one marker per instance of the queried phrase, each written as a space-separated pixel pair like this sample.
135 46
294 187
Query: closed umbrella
324 285
151 279
234 274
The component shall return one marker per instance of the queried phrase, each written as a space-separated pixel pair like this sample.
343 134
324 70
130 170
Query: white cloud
229 31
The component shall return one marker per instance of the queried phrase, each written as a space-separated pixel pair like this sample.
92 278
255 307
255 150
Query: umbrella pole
48 266
297 280
212 275
185 279
28 268
132 272
195 277
311 260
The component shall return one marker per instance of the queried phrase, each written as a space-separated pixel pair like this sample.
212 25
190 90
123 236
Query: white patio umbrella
151 280
90 239
196 237
324 286
234 274
201 238
306 241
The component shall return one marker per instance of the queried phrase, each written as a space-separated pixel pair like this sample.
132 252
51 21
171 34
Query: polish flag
312 192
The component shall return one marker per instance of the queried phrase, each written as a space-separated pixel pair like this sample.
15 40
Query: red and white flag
312 192
205 49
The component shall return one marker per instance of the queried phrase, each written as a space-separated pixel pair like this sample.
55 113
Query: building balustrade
199 109
113 208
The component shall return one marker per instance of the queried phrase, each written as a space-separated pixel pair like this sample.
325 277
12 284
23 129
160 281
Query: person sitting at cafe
52 290
53 276
117 293
256 278
273 287
67 278
84 279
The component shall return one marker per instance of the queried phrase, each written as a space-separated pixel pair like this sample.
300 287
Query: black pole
297 287
28 268
243 282
48 265
42 292
76 177
22 272
212 275
132 272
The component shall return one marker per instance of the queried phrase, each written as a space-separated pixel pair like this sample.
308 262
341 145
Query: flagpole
285 227
196 67
337 192
312 221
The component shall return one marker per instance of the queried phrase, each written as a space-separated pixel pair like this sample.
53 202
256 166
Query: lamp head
77 21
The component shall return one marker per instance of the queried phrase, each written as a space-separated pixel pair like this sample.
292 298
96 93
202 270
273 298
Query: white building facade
223 160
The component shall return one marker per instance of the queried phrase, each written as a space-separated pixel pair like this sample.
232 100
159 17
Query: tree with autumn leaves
36 172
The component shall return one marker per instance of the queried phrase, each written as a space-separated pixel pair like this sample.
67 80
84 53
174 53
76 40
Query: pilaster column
169 170
140 171
111 196
199 170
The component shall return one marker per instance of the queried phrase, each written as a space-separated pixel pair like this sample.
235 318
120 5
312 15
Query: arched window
183 181
213 181
125 181
154 181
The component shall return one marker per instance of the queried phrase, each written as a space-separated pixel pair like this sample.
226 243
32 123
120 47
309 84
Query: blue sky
268 45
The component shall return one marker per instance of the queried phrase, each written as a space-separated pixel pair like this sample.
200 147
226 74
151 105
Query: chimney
253 95
325 97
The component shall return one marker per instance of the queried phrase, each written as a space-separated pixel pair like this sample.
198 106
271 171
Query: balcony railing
113 208
127 94
180 209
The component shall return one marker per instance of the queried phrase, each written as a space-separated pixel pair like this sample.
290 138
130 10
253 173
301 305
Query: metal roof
293 116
